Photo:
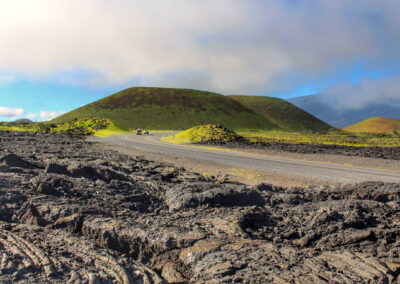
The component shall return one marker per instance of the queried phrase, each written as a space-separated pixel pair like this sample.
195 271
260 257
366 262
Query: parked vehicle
146 132
139 132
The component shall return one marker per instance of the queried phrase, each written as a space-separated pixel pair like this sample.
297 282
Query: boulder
192 195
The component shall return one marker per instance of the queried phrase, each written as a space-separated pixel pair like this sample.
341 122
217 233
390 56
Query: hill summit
376 125
179 109
170 109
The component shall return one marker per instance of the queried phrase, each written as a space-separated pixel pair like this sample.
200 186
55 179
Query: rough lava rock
72 213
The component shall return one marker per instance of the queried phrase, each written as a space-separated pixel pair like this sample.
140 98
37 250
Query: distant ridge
320 108
286 115
376 125
22 121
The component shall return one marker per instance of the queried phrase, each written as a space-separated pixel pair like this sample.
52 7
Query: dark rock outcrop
192 195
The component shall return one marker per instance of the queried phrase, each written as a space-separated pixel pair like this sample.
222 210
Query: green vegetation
376 125
27 127
335 137
284 114
178 109
165 109
204 133
260 119
91 126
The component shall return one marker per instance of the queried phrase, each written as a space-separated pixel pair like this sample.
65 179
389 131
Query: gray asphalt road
321 171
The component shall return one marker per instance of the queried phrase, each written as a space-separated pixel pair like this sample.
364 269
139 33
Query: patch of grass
284 114
92 126
376 125
204 133
112 129
328 138
26 127
167 108
101 127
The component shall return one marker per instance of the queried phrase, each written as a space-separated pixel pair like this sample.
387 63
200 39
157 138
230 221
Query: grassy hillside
166 108
286 115
376 125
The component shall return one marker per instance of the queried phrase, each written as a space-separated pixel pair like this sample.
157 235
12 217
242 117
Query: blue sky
58 55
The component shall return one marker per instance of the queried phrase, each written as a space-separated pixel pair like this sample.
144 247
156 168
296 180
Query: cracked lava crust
72 213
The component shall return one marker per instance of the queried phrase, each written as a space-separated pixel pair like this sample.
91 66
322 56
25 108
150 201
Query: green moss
91 126
204 133
31 127
328 138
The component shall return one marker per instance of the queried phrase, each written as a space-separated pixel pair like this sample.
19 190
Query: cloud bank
229 46
349 96
31 116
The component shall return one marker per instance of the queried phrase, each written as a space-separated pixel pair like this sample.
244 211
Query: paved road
322 171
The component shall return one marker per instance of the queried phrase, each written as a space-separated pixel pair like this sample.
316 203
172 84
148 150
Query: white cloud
11 112
4 79
47 115
31 115
225 45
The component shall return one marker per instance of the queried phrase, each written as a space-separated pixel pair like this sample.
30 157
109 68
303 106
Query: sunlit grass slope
284 114
166 108
204 133
92 126
376 125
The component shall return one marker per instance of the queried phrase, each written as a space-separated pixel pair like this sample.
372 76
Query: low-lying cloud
369 91
31 116
11 112
47 115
